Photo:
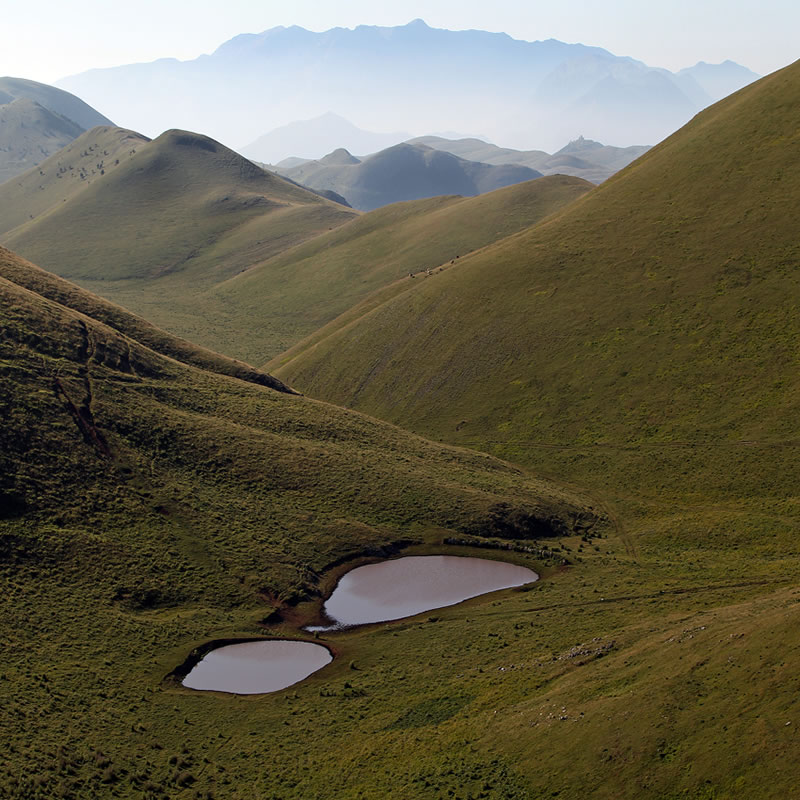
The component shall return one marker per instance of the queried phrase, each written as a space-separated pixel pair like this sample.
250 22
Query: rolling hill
403 172
280 301
638 342
183 204
37 120
162 227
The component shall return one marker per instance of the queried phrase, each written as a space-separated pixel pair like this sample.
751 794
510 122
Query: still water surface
257 667
406 586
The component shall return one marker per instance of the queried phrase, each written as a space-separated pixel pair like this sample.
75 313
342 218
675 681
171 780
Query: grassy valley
639 343
600 383
151 503
639 340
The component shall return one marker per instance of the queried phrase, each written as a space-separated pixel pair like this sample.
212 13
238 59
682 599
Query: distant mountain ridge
582 158
529 94
404 172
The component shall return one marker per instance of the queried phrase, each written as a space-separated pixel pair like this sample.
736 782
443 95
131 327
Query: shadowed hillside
404 172
156 505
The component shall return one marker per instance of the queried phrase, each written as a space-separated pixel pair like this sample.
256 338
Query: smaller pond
257 667
406 586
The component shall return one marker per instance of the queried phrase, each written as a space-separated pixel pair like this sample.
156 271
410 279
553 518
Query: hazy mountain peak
339 156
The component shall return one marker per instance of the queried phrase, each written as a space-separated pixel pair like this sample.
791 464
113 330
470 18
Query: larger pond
257 667
413 584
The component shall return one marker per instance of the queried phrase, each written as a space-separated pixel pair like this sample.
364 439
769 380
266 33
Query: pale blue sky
48 39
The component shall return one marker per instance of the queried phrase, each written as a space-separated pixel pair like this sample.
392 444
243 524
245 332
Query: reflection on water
413 584
257 667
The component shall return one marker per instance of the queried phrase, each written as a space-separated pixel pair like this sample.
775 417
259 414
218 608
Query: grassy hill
205 244
151 503
284 299
639 342
185 203
404 172
65 174
37 120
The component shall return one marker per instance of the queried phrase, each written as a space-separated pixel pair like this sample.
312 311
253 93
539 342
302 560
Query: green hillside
148 506
185 204
641 342
66 174
204 244
286 298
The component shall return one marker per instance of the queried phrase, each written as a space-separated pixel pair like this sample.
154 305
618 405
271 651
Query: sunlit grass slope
291 295
184 204
66 174
642 341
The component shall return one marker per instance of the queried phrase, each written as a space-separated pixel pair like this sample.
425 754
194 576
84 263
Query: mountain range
525 94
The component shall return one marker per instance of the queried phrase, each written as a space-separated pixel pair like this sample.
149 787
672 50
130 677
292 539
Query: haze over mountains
524 94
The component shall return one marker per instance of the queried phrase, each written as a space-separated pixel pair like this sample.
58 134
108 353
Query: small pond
257 667
410 585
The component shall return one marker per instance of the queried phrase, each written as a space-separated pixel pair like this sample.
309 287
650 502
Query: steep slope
288 297
153 224
641 341
183 204
332 279
404 172
36 121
